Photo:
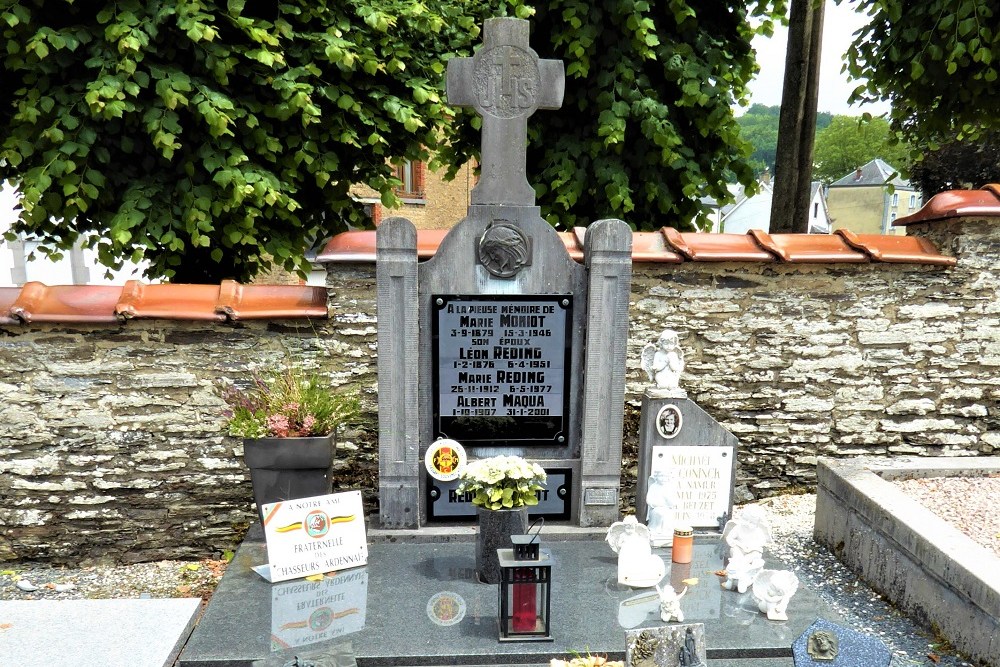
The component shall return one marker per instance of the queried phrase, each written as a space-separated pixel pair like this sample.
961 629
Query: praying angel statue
664 363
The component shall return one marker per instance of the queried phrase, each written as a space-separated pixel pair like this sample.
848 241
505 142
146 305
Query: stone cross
505 82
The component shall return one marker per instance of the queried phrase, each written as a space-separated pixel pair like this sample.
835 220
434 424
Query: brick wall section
111 442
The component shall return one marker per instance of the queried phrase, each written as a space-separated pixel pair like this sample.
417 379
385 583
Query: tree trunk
797 123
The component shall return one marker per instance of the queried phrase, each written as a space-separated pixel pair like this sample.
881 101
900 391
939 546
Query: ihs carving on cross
505 82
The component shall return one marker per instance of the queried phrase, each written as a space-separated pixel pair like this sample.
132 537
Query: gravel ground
791 521
948 497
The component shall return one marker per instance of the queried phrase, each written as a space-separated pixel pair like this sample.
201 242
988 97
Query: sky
839 24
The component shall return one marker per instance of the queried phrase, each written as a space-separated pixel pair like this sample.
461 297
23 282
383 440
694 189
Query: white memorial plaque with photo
701 476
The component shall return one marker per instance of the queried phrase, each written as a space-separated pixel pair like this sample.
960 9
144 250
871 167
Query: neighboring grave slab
488 342
826 644
95 633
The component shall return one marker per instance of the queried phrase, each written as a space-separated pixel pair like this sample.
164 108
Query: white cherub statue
670 603
638 566
661 499
773 589
742 571
748 533
664 363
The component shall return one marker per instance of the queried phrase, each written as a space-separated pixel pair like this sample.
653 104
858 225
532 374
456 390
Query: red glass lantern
524 596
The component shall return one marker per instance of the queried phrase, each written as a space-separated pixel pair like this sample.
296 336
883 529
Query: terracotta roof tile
8 295
671 246
169 302
39 302
895 248
652 247
356 246
244 302
806 248
705 247
957 204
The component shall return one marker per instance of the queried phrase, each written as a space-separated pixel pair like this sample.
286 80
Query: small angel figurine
638 566
670 603
773 589
741 572
661 499
748 533
664 363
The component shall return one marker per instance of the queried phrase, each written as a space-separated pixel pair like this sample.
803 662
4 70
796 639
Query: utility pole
797 123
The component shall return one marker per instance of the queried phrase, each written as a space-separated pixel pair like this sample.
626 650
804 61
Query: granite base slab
95 633
420 604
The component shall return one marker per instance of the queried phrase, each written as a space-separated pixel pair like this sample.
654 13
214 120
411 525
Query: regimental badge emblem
317 524
445 459
504 249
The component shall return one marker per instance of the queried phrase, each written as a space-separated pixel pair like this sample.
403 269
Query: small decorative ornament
446 608
822 645
664 363
669 421
661 499
741 572
445 459
504 249
773 589
638 566
748 533
670 603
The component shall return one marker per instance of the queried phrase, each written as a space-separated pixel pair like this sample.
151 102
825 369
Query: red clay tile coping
100 304
957 204
670 246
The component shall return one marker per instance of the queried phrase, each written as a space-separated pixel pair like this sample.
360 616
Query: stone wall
111 442
111 437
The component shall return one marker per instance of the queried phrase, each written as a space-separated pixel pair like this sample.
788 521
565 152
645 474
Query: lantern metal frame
525 588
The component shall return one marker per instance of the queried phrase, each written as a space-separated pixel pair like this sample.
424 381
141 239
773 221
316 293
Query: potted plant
288 421
502 488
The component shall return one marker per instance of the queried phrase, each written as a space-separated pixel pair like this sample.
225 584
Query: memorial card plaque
445 503
702 478
501 369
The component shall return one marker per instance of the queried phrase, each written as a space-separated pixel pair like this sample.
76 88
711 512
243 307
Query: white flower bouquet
502 482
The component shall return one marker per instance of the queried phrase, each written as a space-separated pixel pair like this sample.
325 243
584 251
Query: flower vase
495 530
289 468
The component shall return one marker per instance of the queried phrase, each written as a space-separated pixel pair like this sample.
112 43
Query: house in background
428 201
754 212
861 201
78 266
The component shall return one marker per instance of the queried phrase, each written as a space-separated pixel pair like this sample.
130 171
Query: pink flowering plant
286 404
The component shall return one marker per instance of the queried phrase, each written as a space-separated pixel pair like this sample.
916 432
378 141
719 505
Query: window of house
892 217
913 201
816 210
412 176
895 199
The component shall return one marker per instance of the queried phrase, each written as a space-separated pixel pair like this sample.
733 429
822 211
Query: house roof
875 173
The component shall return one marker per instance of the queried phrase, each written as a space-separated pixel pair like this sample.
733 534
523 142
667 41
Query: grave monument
501 341
687 460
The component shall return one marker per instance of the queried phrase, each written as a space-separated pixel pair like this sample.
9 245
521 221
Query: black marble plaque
501 368
444 503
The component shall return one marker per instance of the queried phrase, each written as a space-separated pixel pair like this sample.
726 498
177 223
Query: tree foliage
759 126
850 142
934 61
205 136
958 165
647 125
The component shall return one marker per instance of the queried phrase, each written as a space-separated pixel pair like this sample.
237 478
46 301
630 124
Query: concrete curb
922 563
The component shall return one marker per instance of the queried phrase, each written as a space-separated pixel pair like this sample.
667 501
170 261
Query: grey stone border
922 563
